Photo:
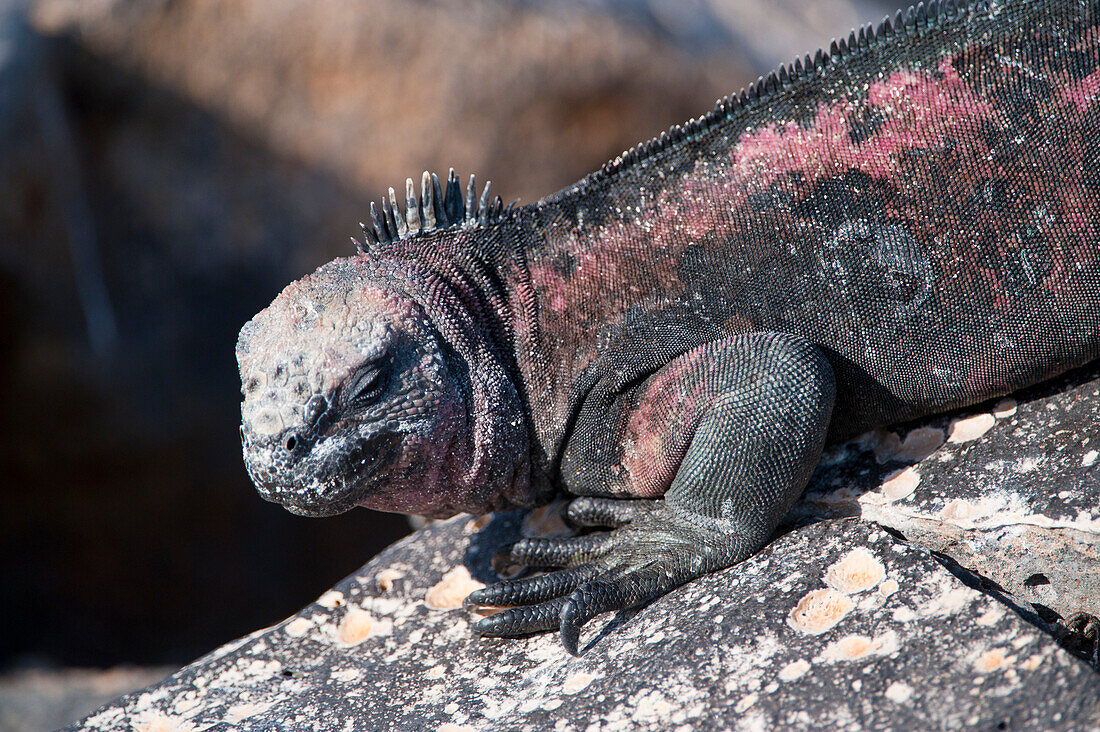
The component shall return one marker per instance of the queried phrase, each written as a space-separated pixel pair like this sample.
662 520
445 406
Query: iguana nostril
291 443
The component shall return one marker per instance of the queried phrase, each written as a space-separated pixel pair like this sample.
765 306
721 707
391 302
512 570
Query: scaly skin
904 226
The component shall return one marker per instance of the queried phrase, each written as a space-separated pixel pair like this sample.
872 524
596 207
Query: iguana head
348 396
365 384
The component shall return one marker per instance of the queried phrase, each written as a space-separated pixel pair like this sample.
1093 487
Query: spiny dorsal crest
433 209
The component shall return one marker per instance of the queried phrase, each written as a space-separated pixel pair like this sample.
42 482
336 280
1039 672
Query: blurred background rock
166 166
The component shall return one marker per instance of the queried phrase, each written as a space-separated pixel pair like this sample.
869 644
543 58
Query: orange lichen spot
819 611
971 428
849 648
356 627
435 672
298 627
545 522
331 599
578 682
957 509
477 523
449 592
884 443
888 587
991 661
900 484
1004 408
852 647
387 577
794 670
1032 662
919 444
857 571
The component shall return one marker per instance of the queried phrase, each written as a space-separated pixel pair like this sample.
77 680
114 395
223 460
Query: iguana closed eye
903 225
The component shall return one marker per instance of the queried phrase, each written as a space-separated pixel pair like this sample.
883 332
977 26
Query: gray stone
837 624
1012 493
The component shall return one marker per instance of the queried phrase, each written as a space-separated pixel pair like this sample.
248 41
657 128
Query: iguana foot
1084 636
654 549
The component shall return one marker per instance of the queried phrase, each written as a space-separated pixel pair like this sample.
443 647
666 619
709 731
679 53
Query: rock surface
837 624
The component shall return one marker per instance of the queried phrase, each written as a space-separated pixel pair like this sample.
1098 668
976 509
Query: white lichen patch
991 616
386 577
819 611
1089 458
578 682
970 428
1004 408
857 571
794 670
900 484
358 625
899 692
240 712
948 602
919 444
346 675
298 627
161 722
449 592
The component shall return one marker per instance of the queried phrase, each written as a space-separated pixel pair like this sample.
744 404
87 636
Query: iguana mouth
326 484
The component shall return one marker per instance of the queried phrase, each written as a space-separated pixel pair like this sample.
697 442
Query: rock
768 643
837 623
38 699
374 94
1012 494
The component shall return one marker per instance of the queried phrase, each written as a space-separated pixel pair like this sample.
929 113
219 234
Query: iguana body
907 224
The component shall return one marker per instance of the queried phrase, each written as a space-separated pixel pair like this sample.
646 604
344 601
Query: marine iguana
905 224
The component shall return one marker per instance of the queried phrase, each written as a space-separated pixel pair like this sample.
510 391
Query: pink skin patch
921 111
1083 93
662 426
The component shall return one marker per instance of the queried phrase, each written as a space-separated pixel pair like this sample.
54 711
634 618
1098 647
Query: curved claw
520 620
530 590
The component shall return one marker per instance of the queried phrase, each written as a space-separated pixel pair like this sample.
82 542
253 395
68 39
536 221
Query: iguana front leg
735 430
